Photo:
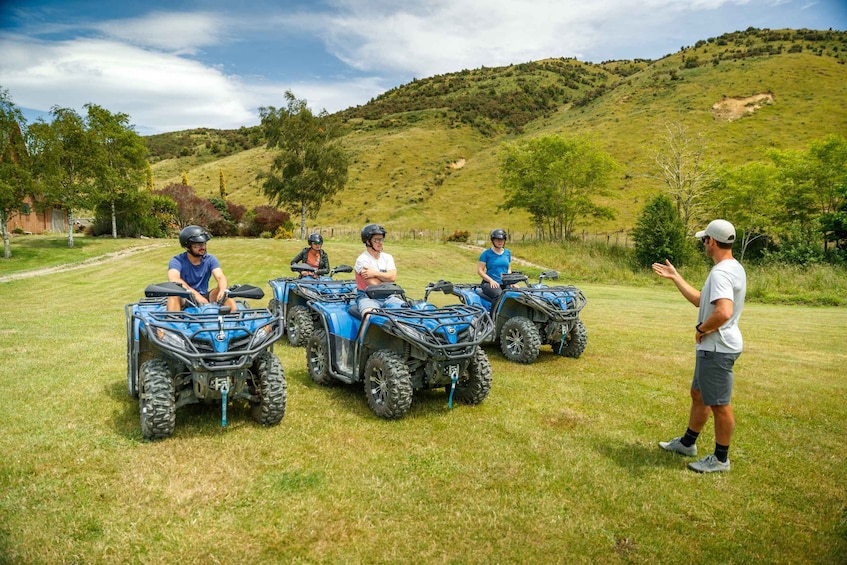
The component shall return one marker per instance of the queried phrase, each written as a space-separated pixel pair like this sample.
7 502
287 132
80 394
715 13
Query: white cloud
436 36
153 88
156 68
169 31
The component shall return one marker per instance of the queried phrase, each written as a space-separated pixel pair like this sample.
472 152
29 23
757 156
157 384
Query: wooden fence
619 238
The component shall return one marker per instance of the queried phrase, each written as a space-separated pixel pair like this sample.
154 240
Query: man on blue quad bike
374 267
193 269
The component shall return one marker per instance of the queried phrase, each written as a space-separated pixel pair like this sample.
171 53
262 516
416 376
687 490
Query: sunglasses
377 239
705 239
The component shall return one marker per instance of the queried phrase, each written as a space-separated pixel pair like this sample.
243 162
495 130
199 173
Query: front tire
270 386
317 358
157 400
388 385
475 383
574 343
519 340
299 325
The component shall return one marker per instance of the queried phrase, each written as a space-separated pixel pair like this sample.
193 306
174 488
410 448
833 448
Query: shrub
460 236
659 234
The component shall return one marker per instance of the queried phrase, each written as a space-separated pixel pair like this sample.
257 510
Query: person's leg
724 423
491 293
174 304
214 295
699 413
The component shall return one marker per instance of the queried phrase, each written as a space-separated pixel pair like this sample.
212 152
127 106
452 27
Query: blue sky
207 63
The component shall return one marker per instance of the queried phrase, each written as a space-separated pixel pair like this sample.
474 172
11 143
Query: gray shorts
713 377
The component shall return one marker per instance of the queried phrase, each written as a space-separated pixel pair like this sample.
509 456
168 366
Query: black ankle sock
689 438
721 452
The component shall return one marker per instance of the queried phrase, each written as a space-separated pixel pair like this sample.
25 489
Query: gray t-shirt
728 280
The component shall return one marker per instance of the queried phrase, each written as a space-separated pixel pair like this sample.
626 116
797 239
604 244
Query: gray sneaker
676 446
709 464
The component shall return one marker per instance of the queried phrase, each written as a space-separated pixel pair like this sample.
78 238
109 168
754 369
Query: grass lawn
558 465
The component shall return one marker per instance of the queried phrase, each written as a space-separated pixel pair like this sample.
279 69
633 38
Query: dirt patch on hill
82 264
730 109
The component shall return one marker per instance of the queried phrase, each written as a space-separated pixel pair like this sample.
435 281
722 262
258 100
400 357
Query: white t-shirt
728 280
383 263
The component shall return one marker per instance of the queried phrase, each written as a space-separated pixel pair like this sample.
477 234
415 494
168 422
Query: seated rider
313 255
493 264
194 268
374 267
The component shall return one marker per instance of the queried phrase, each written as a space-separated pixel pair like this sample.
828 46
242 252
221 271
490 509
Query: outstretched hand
666 270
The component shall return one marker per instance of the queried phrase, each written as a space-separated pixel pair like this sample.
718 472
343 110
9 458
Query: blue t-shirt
496 265
197 276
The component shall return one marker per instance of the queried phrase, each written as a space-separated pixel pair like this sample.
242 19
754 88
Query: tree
750 200
222 185
64 157
812 182
555 179
310 166
120 159
659 234
683 170
15 177
149 182
191 209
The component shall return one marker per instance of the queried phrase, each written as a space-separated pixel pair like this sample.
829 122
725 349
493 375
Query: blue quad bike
395 350
525 317
291 296
203 354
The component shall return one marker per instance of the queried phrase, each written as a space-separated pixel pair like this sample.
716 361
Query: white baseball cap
719 230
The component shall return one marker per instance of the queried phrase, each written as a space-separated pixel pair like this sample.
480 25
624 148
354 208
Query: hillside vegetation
424 156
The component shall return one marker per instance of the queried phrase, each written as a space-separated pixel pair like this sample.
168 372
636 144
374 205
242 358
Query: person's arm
220 277
482 272
719 316
301 257
175 276
323 265
668 271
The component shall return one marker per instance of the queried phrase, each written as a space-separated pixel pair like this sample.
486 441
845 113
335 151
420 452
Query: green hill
424 156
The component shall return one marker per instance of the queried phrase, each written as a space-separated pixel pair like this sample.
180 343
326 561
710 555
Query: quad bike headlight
171 339
413 333
262 335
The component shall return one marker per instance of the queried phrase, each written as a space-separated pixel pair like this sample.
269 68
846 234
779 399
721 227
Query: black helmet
315 238
498 234
371 230
193 234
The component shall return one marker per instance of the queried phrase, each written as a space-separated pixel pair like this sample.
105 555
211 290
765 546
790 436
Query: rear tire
475 383
519 340
317 358
299 325
574 343
156 400
388 385
270 386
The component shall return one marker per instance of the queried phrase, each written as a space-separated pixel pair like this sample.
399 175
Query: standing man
194 268
374 267
719 344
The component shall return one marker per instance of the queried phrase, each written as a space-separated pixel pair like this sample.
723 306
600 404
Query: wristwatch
697 327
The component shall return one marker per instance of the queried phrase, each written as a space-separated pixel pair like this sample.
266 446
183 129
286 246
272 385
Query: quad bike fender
336 320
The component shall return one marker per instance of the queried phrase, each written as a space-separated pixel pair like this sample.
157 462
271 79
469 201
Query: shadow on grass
640 458
193 420
425 402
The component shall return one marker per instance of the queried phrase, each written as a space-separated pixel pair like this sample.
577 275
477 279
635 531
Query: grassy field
558 465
